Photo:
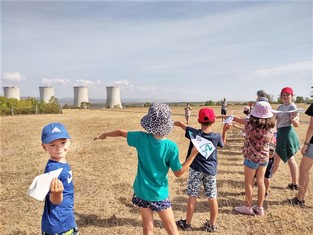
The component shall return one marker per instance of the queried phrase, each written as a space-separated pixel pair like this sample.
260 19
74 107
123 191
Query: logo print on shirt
70 177
56 130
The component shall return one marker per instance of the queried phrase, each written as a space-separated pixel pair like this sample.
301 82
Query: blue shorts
309 152
196 179
153 205
253 165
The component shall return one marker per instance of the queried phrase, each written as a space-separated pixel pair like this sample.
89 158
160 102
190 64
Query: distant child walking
187 112
58 215
256 150
156 154
202 170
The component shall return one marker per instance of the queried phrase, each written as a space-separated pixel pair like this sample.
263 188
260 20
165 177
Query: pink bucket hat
262 109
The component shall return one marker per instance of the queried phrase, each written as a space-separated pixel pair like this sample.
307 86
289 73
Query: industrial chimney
113 97
12 92
46 92
80 95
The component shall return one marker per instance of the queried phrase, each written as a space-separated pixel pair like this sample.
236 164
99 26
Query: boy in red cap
202 170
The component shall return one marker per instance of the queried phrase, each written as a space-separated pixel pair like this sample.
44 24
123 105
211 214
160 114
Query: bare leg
213 210
249 174
261 187
293 166
167 217
305 166
190 209
147 220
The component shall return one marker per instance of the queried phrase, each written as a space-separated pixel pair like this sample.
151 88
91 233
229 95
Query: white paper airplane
300 110
41 184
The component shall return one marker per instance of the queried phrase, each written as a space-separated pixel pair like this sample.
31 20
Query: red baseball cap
287 90
206 115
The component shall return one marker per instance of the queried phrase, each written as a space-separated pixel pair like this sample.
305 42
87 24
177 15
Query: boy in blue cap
58 215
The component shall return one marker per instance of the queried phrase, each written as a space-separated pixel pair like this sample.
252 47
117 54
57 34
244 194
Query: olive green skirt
287 143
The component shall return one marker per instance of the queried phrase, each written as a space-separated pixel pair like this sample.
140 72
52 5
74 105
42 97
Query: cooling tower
80 95
113 97
12 92
46 92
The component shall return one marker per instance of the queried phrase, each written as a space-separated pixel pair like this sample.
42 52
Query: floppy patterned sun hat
262 109
158 121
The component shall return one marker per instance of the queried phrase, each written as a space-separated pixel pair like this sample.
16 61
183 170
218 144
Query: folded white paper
229 120
204 146
41 184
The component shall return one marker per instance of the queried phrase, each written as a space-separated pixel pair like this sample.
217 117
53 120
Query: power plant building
12 92
80 95
46 92
113 97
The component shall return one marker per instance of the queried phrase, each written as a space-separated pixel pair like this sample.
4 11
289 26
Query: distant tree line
12 106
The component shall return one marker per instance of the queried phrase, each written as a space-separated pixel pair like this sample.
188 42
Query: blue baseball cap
54 131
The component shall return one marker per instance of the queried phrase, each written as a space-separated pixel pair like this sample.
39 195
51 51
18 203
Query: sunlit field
103 173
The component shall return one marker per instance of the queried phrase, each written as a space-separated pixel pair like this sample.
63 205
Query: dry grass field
104 172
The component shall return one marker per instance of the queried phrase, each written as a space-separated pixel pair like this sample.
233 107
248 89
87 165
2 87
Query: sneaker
292 186
209 228
183 225
296 202
258 210
244 210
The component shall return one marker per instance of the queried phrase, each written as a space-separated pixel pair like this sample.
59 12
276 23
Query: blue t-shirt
200 163
60 218
155 157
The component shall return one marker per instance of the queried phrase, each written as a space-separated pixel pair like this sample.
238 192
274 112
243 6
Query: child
156 154
58 215
202 170
269 169
187 112
306 162
287 139
256 153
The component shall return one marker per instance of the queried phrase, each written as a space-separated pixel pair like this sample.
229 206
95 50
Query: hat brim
157 127
269 115
55 137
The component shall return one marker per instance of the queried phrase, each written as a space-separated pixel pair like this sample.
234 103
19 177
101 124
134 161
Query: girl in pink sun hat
256 150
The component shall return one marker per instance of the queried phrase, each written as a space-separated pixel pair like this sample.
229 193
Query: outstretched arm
187 163
236 119
226 127
115 133
181 125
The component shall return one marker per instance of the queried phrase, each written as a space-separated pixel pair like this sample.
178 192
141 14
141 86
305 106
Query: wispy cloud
296 67
126 86
82 82
55 81
16 76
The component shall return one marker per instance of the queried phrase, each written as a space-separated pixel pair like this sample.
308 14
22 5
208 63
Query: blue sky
164 50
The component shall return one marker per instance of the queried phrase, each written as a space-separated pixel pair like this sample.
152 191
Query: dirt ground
103 173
